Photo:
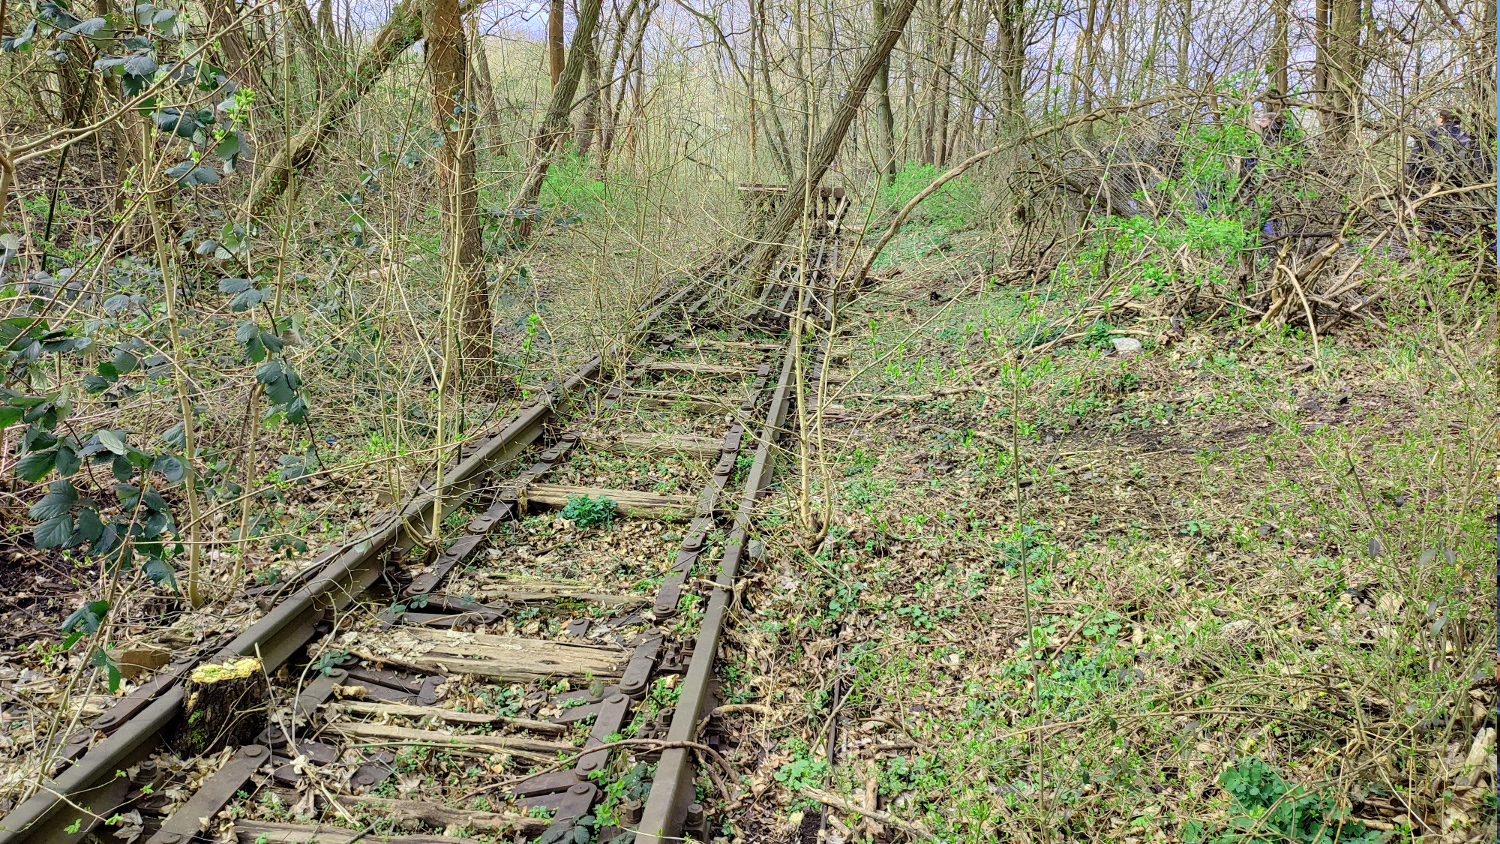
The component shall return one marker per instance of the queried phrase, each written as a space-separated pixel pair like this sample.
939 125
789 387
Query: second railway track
558 693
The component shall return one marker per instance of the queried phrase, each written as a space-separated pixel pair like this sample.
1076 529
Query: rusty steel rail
70 806
670 810
92 785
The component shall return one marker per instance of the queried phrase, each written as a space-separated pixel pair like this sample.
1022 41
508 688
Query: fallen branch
564 762
961 167
915 830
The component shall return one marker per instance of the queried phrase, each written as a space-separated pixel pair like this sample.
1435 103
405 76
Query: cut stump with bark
224 705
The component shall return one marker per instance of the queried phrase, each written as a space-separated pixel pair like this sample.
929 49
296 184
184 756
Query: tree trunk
394 38
1321 62
827 148
583 138
607 82
779 146
302 27
555 41
555 124
326 26
1011 41
447 71
885 163
945 86
484 88
607 141
1280 48
224 23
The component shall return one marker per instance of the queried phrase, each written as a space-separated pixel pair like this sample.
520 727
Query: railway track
532 678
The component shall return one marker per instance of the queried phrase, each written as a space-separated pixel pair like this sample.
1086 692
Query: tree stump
223 706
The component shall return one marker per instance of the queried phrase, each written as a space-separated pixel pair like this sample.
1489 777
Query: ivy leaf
56 15
125 362
281 391
20 41
97 29
59 501
154 502
53 533
35 466
178 123
268 372
102 659
175 437
230 146
160 571
171 468
90 528
140 65
200 175
254 349
112 440
249 299
84 621
68 460
297 410
190 175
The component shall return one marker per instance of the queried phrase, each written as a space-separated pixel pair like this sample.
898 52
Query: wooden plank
699 368
509 658
691 402
758 346
703 448
537 749
359 707
532 591
265 832
627 502
436 814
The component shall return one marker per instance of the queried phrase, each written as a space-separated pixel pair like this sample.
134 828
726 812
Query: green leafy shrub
571 188
803 771
953 205
587 512
1269 809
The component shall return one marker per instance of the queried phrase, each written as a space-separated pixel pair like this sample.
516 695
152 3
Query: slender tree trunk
885 162
779 146
224 21
555 41
606 94
398 34
929 127
1280 48
326 26
555 123
1321 62
1011 42
302 27
945 84
484 88
828 145
583 137
637 97
1090 46
447 71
